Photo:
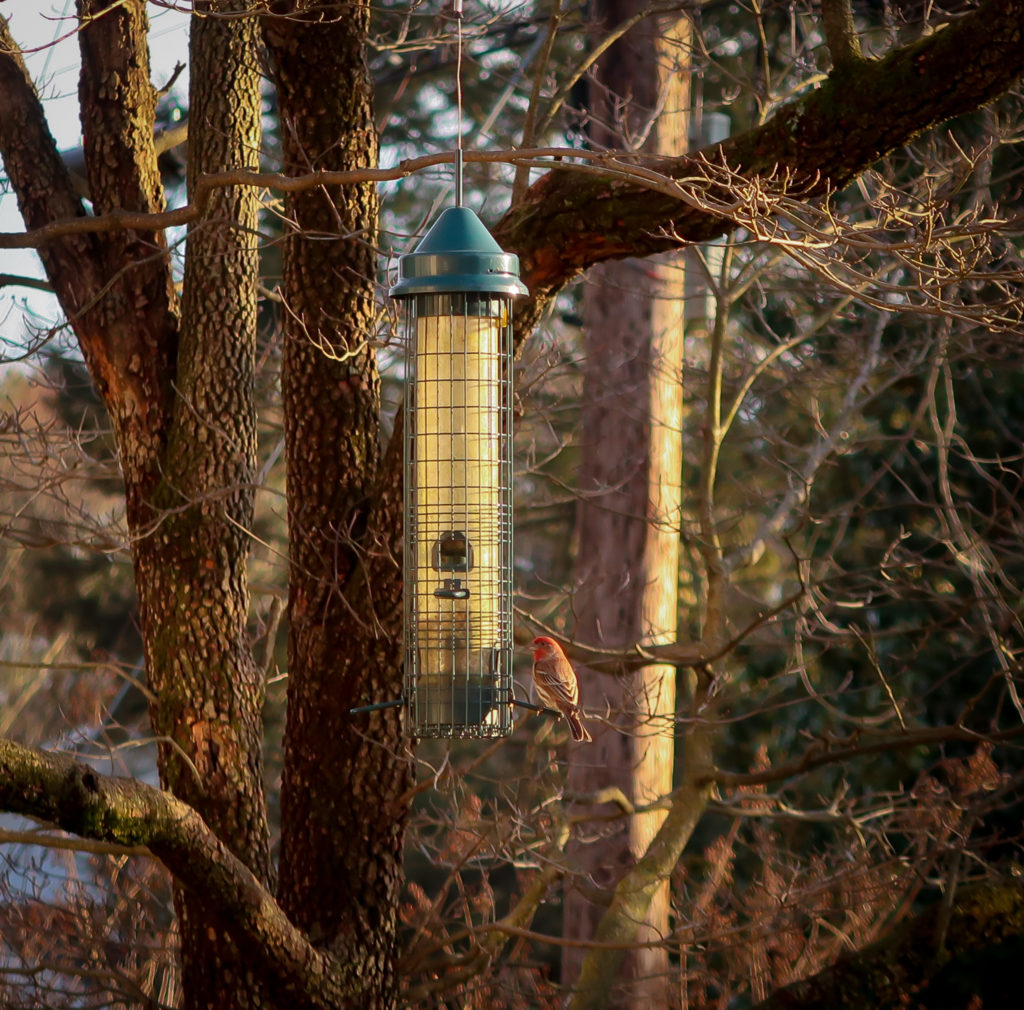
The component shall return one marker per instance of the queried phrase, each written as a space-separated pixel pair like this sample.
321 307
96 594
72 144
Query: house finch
556 684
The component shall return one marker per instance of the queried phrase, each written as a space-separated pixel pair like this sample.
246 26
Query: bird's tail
579 731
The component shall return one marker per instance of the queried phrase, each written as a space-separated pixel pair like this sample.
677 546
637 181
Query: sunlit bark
627 569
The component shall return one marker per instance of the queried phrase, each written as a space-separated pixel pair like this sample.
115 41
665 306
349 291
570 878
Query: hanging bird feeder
458 287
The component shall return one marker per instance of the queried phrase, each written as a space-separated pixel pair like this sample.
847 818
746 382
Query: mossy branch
125 812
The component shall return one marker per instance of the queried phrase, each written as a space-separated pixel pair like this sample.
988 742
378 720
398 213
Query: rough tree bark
192 547
342 805
180 401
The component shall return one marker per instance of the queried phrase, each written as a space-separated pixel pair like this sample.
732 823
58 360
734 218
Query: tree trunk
181 404
345 777
627 570
192 553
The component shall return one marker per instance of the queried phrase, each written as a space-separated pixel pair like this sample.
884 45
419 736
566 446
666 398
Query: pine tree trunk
629 513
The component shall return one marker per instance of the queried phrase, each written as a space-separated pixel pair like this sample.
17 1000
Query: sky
46 31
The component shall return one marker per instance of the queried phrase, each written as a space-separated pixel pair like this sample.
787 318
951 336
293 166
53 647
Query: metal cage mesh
458 516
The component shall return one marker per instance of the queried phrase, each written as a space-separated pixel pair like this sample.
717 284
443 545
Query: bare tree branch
839 751
19 281
814 144
840 33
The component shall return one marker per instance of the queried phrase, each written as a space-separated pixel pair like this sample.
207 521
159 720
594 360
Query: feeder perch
458 287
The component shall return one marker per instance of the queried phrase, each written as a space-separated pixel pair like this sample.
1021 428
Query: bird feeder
458 287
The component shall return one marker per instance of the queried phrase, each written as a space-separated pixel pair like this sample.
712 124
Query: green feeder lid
458 254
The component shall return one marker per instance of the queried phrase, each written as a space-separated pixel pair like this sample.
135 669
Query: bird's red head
544 647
